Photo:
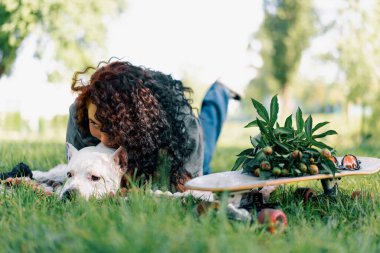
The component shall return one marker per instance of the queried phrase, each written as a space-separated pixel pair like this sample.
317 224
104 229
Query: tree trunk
363 133
286 104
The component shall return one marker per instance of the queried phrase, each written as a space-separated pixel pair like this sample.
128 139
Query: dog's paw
40 176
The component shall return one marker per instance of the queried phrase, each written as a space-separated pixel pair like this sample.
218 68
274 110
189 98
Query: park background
321 56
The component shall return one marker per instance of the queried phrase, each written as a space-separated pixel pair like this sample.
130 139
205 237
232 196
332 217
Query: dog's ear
120 158
70 151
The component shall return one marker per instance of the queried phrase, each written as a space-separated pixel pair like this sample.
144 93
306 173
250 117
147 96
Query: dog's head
93 171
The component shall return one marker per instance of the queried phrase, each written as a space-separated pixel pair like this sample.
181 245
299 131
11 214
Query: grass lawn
31 223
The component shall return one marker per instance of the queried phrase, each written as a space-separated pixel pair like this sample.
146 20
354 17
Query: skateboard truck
240 214
330 187
254 200
241 204
267 214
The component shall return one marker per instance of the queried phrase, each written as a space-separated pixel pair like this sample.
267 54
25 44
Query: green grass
31 223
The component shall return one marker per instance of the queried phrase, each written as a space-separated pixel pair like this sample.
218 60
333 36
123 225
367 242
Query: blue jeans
212 116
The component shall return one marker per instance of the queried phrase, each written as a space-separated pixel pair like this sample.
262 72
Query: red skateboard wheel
305 193
274 220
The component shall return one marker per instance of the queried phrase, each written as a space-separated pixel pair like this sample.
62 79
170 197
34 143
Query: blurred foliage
59 121
317 96
13 121
76 28
285 33
359 52
14 126
358 56
314 96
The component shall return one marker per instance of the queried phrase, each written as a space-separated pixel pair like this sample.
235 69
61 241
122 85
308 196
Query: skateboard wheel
305 194
359 194
274 220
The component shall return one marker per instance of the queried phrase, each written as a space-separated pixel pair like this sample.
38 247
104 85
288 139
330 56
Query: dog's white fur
91 172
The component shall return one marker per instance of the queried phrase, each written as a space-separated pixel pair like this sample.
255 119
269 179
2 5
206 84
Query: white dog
91 172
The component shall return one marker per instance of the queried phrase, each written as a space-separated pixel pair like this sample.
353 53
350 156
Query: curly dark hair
140 109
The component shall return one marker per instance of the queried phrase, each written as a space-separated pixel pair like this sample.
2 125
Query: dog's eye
95 178
69 174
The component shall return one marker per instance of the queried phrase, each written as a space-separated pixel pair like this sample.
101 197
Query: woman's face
95 126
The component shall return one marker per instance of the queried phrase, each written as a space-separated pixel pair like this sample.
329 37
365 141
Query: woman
147 113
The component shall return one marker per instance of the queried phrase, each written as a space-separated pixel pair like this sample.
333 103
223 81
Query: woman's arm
74 135
194 164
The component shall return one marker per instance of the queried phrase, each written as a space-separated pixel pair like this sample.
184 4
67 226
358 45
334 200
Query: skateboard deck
238 181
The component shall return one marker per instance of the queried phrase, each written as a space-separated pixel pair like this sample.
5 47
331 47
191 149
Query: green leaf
329 166
329 132
249 164
296 173
251 124
298 136
265 174
299 120
245 152
312 151
289 121
261 110
261 143
283 130
320 145
238 162
273 110
332 166
308 127
319 125
283 146
286 156
263 130
325 168
254 141
260 156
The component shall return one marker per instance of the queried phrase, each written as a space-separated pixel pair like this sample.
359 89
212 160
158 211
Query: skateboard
244 195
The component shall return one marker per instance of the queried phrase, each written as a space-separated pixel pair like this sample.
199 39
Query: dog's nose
69 194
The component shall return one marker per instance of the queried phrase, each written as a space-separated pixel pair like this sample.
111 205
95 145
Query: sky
207 38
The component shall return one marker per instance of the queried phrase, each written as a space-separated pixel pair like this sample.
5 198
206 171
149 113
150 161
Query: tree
358 56
76 28
284 35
